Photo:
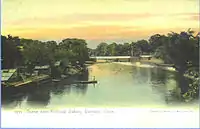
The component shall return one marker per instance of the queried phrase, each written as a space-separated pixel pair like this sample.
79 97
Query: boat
63 76
86 82
56 80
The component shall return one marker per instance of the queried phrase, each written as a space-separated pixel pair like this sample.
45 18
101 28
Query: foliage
180 49
101 49
30 53
126 49
11 54
75 49
193 92
111 49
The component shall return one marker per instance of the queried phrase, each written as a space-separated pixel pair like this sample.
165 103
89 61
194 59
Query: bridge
121 58
110 57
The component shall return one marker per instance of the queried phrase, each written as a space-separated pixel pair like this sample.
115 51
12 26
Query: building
145 57
10 75
45 69
42 69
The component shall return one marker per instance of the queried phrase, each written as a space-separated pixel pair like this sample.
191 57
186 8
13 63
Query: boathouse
145 57
42 69
10 75
45 69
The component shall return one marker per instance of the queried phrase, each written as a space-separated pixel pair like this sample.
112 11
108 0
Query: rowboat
86 82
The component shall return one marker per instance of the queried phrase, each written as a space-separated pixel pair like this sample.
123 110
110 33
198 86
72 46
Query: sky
97 20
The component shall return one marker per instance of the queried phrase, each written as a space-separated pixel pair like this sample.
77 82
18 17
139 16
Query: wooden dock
37 80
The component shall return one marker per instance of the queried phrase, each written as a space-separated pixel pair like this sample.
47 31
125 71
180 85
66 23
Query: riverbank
97 70
39 78
138 64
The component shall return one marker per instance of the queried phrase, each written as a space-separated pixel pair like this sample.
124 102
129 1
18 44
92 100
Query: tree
75 50
144 46
180 50
11 54
136 50
155 42
119 49
101 49
111 49
125 49
37 53
50 50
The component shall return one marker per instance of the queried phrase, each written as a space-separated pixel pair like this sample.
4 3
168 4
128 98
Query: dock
37 80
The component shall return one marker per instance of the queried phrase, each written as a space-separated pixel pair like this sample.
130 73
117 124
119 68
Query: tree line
17 52
126 49
180 49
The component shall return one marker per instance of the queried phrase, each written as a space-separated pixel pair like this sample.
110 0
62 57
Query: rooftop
6 74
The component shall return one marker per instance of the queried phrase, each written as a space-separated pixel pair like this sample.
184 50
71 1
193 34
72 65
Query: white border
112 118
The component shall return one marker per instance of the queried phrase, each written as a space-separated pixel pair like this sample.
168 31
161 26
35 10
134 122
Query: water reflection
151 75
12 101
60 89
80 89
159 76
140 74
40 95
183 82
12 97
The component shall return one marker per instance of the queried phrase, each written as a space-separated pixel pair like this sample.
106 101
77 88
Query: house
45 69
57 63
145 57
42 69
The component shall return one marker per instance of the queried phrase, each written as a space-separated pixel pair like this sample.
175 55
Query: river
118 86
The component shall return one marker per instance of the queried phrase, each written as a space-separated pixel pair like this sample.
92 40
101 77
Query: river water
118 86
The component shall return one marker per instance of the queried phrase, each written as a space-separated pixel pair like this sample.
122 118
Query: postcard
100 63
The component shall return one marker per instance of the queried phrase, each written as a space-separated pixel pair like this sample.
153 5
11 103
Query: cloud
195 18
189 16
84 18
78 18
89 32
